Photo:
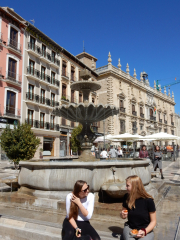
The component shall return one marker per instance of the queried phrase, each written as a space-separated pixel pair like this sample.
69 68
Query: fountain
56 179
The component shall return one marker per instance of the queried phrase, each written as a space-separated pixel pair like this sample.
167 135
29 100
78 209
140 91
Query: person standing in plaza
113 153
104 154
79 208
143 152
139 208
157 160
119 152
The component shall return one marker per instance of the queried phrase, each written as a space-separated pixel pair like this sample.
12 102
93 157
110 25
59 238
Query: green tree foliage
20 144
75 144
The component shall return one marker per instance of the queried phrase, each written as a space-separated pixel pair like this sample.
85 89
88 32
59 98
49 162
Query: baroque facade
143 109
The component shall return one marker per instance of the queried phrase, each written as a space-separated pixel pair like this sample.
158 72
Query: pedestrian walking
157 160
139 208
113 153
143 152
79 208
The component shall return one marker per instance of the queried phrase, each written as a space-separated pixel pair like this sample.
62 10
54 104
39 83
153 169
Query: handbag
85 237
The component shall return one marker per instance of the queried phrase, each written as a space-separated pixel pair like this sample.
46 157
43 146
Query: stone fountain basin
61 176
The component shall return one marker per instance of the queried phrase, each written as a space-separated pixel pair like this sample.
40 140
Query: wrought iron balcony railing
134 113
40 75
122 109
12 112
142 115
160 120
14 45
12 76
65 74
165 121
152 118
172 123
40 99
34 47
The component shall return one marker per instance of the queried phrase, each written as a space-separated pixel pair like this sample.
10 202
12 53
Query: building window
150 112
72 73
93 100
42 120
52 99
13 37
80 97
122 126
141 127
42 98
121 103
43 50
72 124
172 132
10 102
134 127
133 108
160 129
72 96
30 117
53 56
63 121
32 43
31 67
165 130
64 90
159 116
52 122
64 68
43 70
171 118
53 78
30 92
12 68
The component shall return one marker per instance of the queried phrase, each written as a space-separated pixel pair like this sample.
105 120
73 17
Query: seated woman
79 208
139 208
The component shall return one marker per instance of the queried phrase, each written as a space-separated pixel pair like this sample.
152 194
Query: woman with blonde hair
79 208
139 208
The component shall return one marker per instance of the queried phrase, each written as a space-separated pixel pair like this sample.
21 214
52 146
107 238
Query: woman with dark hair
143 152
139 208
157 158
79 208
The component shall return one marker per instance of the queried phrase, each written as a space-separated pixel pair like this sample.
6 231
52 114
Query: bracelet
76 228
143 229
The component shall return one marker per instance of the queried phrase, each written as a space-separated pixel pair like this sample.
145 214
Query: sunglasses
85 190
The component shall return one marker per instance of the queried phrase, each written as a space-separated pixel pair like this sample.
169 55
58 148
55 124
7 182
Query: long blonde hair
137 190
73 213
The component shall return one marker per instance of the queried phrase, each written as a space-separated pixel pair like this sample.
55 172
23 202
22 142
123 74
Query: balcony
160 120
142 115
165 121
134 113
74 100
172 123
37 75
14 46
30 122
54 62
12 112
36 99
33 73
122 109
65 75
13 78
45 56
65 99
1 76
34 49
152 118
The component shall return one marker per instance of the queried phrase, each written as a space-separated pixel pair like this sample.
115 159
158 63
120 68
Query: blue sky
144 34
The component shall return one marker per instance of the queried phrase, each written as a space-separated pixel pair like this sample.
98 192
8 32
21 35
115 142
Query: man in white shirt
103 153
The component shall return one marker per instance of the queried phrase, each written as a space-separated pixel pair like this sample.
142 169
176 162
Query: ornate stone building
143 109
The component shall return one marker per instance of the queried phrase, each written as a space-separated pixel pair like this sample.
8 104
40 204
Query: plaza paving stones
20 223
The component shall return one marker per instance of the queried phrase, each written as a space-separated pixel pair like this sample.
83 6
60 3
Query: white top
103 154
87 202
119 152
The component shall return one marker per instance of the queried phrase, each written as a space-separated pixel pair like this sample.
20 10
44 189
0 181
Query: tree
20 144
75 144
